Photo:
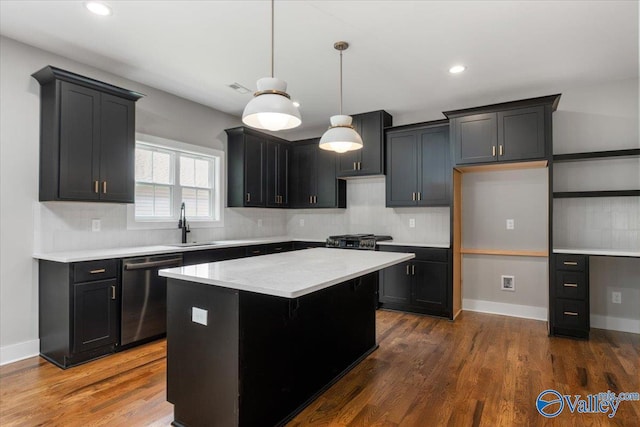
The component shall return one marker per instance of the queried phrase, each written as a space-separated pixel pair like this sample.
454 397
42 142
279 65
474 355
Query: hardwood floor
481 370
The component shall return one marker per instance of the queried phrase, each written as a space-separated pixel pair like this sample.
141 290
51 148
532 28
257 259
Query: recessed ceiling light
457 69
98 8
239 88
296 104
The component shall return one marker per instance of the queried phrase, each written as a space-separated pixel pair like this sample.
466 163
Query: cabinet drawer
572 314
422 254
571 262
571 285
95 270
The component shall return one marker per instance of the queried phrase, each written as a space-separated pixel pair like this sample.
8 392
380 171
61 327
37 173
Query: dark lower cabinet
569 296
422 285
271 248
78 310
261 359
87 138
298 245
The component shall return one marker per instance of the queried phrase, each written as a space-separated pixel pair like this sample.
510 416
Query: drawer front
95 270
571 262
571 285
422 254
572 314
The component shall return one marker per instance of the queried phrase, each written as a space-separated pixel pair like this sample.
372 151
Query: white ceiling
398 60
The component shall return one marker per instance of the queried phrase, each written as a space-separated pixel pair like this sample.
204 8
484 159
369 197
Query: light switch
511 224
199 315
412 223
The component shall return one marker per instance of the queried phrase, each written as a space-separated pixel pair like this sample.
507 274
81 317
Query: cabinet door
283 174
326 181
117 149
94 314
395 284
271 178
79 142
475 138
521 134
369 126
430 285
435 169
254 171
303 168
348 163
402 169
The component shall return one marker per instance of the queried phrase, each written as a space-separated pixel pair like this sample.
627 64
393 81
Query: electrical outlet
511 224
616 297
508 283
259 223
412 223
301 222
95 225
199 315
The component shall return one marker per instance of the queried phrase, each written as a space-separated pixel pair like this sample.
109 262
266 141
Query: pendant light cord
340 82
272 31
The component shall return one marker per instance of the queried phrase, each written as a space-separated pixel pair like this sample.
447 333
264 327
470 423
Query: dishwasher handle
151 264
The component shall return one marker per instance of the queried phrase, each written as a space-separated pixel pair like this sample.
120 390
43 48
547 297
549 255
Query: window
169 173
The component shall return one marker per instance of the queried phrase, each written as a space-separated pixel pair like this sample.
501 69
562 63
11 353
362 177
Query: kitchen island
253 341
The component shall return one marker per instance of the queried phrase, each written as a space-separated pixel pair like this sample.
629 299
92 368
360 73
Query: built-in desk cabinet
511 131
370 159
78 310
418 165
422 285
569 303
87 139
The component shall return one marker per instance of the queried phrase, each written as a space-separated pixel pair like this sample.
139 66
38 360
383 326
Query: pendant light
341 136
271 107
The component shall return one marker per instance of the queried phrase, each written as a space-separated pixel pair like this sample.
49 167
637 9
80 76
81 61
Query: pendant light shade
271 107
341 136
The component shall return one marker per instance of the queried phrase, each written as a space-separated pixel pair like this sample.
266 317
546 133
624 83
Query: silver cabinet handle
98 271
96 187
413 269
570 313
359 165
248 197
493 150
501 150
354 166
419 195
113 292
104 187
413 196
408 269
570 263
570 285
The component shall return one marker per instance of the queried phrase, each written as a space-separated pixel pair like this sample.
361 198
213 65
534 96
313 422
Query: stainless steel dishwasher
144 298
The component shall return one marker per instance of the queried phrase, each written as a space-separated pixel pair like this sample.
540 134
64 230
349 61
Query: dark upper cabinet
421 285
87 138
370 159
511 131
277 176
313 182
257 169
418 165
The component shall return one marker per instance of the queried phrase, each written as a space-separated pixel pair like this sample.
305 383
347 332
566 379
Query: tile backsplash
597 222
64 226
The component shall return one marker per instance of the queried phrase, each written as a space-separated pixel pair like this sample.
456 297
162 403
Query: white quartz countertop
126 252
602 252
417 245
289 274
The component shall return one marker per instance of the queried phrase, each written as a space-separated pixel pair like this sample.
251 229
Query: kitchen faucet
182 223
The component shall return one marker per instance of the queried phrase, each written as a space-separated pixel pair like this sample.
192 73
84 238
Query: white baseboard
505 309
615 323
23 350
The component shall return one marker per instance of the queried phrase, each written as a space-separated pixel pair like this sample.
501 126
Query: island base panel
286 350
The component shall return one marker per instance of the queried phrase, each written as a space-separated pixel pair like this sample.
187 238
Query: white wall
28 225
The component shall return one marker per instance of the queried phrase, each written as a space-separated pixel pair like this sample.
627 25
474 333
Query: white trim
15 352
615 323
506 309
220 166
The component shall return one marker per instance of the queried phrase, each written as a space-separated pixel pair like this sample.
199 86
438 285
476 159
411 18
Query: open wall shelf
593 155
608 193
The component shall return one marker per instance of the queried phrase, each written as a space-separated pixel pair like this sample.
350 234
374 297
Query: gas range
356 241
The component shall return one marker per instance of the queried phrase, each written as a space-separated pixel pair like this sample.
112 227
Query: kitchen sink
186 245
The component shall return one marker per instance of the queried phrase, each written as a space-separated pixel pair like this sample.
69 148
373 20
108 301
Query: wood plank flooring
481 370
